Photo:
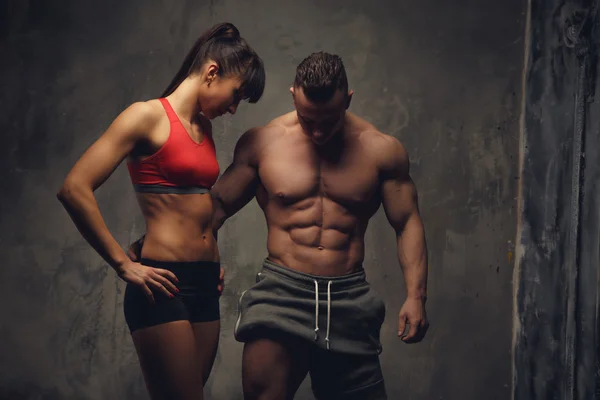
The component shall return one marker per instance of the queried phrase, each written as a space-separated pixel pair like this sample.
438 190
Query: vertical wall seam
581 44
572 265
519 251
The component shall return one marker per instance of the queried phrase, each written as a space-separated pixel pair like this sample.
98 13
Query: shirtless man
319 174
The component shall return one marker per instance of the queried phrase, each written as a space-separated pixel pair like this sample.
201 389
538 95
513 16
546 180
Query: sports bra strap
170 112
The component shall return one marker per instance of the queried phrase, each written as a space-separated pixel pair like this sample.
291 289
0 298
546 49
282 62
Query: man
319 174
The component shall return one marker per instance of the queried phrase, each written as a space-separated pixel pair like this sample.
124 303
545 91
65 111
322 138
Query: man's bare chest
348 176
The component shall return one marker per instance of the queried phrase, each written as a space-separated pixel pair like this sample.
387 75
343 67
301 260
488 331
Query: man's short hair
320 75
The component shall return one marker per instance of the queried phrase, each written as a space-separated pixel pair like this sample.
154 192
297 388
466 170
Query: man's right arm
237 186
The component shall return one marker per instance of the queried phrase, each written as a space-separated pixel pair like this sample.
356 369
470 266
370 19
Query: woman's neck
185 99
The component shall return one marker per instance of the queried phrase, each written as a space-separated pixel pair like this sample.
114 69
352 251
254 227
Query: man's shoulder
282 123
253 142
379 142
383 147
273 129
259 134
385 143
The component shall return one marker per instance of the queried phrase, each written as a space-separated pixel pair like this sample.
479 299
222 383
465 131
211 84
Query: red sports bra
179 166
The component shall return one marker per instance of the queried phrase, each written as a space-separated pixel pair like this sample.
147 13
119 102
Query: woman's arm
77 192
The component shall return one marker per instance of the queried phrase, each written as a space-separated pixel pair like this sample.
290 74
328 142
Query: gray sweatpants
340 316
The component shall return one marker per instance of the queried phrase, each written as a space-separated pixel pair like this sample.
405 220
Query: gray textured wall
444 77
556 335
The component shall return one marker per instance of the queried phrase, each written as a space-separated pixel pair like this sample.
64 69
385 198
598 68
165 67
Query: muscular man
319 173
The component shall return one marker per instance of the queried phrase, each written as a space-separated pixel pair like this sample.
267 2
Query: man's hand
134 252
221 285
413 313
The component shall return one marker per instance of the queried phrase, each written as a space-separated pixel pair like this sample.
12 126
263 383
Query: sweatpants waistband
337 283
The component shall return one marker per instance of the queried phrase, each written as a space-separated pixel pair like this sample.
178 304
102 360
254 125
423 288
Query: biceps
237 184
399 200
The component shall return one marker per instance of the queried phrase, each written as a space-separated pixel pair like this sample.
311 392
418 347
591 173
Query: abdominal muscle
178 227
316 243
315 260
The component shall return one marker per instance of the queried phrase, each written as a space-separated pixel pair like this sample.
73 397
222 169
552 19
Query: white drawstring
317 311
328 312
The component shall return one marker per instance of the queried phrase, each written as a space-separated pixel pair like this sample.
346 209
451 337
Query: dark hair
320 75
223 44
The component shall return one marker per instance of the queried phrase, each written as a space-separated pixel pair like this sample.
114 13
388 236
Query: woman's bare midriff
178 227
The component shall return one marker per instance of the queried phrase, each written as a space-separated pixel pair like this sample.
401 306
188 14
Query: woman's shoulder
143 114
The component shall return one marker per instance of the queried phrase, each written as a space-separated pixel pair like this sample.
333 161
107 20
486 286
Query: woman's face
221 95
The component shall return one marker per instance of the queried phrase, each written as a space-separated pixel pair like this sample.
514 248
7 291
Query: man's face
321 121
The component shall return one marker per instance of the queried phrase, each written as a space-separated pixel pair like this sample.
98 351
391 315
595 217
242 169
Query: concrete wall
556 334
444 77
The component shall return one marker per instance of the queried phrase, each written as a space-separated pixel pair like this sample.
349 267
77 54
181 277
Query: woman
172 300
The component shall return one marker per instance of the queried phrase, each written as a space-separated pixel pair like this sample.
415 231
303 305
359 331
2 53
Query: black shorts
197 300
340 317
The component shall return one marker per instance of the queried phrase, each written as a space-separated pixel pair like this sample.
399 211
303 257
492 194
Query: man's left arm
400 203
